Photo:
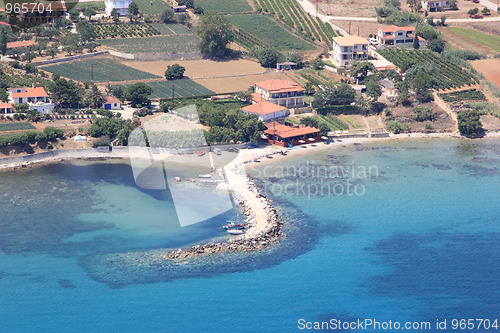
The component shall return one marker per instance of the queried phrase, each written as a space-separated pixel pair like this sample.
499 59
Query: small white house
36 98
120 5
112 103
266 111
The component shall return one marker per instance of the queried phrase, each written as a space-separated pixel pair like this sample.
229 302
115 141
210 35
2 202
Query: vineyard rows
290 12
447 75
178 88
125 30
464 95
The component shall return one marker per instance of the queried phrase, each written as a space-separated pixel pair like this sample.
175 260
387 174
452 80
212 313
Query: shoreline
263 220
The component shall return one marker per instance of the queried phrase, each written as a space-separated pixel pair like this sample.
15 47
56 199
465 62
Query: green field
16 127
146 8
492 41
157 44
96 5
224 6
270 32
104 70
181 88
125 30
171 29
446 74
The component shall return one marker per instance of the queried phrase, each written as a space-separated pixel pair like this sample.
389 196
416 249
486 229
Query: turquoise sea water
417 239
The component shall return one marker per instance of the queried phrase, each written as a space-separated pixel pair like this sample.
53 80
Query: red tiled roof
5 105
285 132
277 86
24 43
31 92
4 23
256 97
111 99
393 28
263 108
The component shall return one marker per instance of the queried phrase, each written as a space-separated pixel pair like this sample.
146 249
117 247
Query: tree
133 11
66 92
187 3
4 97
360 70
473 11
115 14
174 72
443 20
373 90
216 33
334 94
317 64
4 38
469 123
453 5
94 97
198 10
138 94
89 12
74 15
86 31
436 45
485 11
265 56
168 15
416 43
309 88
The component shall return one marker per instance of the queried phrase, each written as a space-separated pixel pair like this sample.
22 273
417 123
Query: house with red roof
285 93
41 11
35 97
398 36
266 111
286 136
6 108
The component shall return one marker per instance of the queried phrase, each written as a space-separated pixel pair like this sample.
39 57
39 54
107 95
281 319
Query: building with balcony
36 98
41 12
398 36
120 5
286 93
435 5
348 49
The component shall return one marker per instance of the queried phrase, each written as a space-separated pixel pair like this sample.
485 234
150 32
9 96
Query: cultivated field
151 6
15 126
292 13
125 30
224 6
446 73
350 8
171 29
178 88
104 70
270 32
237 83
204 68
154 45
490 68
491 41
459 41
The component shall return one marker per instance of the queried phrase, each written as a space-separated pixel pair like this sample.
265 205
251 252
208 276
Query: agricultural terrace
491 41
314 77
125 30
290 12
463 95
270 32
180 88
154 45
224 6
104 70
16 126
447 74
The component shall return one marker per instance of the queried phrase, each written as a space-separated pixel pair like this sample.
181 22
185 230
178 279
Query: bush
423 113
103 141
469 123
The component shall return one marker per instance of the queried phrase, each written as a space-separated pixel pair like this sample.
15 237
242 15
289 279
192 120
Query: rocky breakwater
264 223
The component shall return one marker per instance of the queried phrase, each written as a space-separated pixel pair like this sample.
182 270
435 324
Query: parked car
476 16
475 1
374 41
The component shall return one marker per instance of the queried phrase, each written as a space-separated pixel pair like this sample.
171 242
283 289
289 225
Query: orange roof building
286 93
398 36
286 136
266 111
28 95
112 103
6 108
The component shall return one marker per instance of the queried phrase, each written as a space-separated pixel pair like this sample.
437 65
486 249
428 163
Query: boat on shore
200 153
205 176
235 231
233 225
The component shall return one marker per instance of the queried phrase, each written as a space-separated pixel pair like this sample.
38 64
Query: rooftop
31 92
3 106
263 107
285 132
24 43
350 40
277 86
112 99
393 28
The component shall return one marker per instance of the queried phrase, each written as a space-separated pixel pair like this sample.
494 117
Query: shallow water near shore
418 241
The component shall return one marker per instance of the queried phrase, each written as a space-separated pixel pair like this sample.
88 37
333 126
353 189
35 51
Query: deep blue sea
389 231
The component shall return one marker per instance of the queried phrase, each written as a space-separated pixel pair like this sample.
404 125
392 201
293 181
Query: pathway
442 104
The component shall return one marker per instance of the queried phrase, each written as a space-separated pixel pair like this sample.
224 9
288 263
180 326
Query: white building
281 92
120 5
266 111
348 49
36 98
434 5
398 36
